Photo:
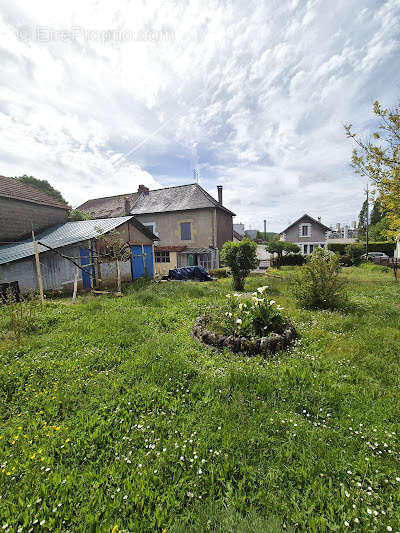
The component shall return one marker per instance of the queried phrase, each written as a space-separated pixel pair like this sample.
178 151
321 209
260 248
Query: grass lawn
112 416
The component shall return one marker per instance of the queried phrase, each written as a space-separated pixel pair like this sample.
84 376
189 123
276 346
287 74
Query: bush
293 260
354 251
385 246
253 318
316 285
219 273
241 257
345 260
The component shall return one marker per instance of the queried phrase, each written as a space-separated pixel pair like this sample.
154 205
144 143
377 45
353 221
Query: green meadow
112 417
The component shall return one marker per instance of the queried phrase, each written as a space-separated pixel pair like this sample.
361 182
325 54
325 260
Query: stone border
264 346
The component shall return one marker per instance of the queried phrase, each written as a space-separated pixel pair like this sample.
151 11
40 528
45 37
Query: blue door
85 264
142 263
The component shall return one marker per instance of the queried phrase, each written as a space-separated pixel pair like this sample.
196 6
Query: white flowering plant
253 317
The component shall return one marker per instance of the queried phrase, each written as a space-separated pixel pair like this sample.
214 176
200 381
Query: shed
77 241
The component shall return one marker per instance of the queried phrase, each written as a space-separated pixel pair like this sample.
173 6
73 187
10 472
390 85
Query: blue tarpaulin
196 273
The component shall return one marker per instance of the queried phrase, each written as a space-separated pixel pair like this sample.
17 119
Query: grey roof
62 235
109 206
178 198
310 218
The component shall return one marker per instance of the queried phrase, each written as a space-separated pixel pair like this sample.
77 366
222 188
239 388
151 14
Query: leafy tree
377 212
278 247
379 160
241 257
316 285
362 220
75 215
112 248
42 185
354 251
379 231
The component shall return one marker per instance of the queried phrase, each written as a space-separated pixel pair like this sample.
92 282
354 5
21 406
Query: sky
98 97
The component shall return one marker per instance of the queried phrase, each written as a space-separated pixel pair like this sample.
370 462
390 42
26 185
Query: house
190 224
397 249
251 234
24 208
237 236
78 242
239 228
307 233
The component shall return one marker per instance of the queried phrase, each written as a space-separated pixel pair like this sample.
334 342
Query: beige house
190 224
307 233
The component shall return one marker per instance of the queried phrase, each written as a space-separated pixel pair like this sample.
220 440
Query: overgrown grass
112 415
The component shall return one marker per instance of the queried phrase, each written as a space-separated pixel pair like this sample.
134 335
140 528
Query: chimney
127 206
219 187
143 189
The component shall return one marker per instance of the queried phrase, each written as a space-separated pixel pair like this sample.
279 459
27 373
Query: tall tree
377 213
42 185
362 220
378 158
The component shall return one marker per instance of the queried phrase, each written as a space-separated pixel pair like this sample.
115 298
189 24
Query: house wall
163 268
17 218
224 228
167 227
318 233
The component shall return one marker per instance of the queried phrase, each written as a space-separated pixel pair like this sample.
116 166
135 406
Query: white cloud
253 93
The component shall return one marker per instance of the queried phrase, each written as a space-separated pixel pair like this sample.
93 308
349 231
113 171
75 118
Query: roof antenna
196 175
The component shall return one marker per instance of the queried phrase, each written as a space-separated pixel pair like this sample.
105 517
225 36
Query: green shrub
241 257
354 251
385 246
219 272
316 285
293 260
345 260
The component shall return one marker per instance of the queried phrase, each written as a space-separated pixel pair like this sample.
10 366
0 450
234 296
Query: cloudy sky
99 96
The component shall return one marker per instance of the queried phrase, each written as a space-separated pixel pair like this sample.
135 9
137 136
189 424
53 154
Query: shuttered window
186 231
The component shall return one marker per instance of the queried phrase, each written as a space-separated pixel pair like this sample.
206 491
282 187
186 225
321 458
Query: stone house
190 224
77 241
23 208
307 233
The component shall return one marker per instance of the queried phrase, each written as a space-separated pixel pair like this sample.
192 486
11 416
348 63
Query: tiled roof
178 198
109 206
18 190
66 234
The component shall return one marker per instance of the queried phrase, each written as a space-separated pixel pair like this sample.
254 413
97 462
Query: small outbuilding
78 243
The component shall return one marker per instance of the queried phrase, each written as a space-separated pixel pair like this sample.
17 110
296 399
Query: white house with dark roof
190 224
308 233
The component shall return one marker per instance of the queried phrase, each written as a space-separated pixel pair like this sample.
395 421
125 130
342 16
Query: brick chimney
127 206
219 187
143 189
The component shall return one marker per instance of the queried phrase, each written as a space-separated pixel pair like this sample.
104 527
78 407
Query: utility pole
367 226
265 230
38 273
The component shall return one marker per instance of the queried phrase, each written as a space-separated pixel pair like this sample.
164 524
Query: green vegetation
42 185
241 257
386 246
75 215
278 247
112 415
317 285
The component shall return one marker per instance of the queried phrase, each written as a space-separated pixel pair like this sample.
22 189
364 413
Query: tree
112 248
379 160
278 247
377 213
362 220
241 257
42 185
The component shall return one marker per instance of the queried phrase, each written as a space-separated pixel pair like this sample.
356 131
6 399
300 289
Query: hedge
387 247
293 260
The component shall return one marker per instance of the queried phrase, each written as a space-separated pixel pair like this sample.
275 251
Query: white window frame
309 230
148 224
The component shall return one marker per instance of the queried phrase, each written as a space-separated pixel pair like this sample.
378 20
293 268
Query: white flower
271 302
200 471
346 523
389 528
238 321
369 511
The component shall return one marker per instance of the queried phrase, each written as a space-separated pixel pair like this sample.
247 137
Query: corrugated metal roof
60 235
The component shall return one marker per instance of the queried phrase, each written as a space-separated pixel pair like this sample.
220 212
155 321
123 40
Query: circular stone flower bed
264 346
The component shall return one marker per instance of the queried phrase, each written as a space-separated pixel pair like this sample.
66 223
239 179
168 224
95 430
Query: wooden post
119 293
144 262
75 286
39 275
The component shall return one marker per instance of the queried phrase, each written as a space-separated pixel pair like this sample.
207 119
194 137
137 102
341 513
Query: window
161 256
305 248
311 248
186 233
304 230
151 226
